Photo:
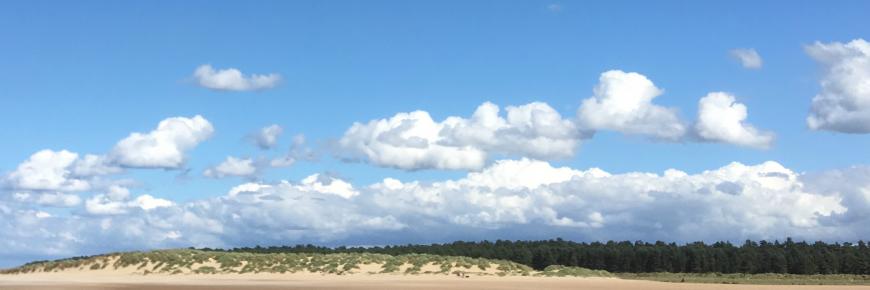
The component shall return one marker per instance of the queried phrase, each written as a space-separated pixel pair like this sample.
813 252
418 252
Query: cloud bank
520 198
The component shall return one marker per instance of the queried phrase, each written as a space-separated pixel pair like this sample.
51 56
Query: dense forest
639 257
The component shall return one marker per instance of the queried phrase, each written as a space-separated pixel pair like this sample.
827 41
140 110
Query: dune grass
188 261
765 279
194 261
563 271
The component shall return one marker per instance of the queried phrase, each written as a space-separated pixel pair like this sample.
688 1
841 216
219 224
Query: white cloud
623 102
247 188
843 105
93 165
54 199
415 141
760 201
58 199
298 151
48 170
408 141
116 192
232 79
42 214
748 57
165 146
535 130
267 137
103 205
117 202
722 119
523 198
327 185
148 202
232 166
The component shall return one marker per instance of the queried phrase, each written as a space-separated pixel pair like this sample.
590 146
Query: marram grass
739 278
207 262
186 261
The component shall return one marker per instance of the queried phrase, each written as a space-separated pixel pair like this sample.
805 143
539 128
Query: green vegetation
768 279
220 262
205 270
787 257
562 271
762 262
203 262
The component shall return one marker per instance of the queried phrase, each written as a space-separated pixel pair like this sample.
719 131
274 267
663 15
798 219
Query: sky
131 126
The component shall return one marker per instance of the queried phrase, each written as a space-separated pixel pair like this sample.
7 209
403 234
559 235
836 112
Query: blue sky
81 76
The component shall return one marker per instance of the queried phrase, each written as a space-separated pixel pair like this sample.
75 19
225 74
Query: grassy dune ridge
198 262
186 261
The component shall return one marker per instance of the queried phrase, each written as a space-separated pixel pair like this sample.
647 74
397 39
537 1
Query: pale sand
106 280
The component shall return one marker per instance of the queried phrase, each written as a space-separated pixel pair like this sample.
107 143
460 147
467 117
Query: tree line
638 257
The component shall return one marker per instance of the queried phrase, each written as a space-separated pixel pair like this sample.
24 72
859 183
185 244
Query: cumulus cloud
535 130
94 165
148 202
65 171
298 151
522 199
843 105
58 199
415 141
853 185
748 57
267 137
232 166
48 170
623 102
722 119
327 185
163 147
232 79
116 201
621 203
408 141
54 199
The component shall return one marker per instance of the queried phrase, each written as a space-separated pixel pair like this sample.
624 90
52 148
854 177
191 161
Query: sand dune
190 269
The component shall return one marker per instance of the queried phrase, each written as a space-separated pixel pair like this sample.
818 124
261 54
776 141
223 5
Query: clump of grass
483 264
445 267
205 270
391 266
563 271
